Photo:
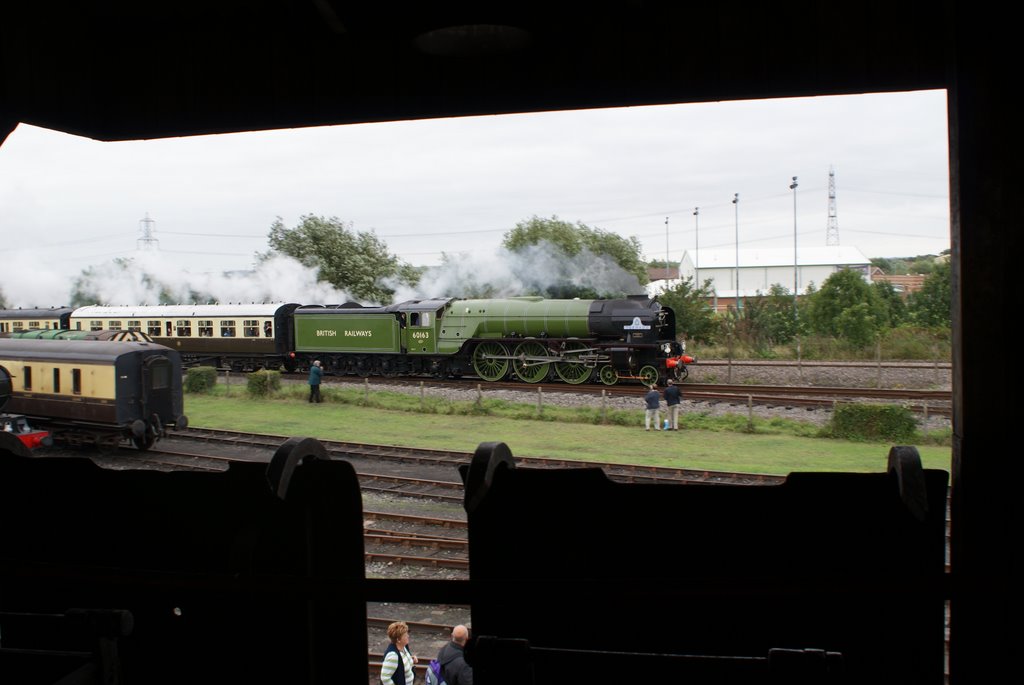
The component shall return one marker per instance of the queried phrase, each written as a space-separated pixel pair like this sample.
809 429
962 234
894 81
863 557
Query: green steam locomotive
528 338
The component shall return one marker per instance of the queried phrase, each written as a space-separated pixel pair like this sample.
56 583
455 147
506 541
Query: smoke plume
543 269
150 279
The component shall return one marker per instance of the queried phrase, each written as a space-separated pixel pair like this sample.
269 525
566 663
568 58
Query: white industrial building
760 269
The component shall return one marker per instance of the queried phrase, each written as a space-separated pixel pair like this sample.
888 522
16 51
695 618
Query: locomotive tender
528 338
91 391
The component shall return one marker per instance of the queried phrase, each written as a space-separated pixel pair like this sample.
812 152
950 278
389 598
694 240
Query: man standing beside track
315 374
653 401
672 398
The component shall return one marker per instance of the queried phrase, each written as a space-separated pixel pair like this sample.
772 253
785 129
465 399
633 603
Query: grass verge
715 443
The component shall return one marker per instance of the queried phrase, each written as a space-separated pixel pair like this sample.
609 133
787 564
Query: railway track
935 402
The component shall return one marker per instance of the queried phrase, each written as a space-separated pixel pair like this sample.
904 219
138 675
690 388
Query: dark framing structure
121 70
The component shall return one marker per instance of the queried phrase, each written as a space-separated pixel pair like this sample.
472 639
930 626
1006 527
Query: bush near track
873 422
201 379
263 383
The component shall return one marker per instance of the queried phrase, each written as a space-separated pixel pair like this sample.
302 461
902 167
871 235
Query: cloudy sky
456 185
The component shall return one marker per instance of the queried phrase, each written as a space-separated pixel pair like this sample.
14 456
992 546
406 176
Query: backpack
434 673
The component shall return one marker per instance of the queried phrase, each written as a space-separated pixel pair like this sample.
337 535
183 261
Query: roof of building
776 256
904 282
657 273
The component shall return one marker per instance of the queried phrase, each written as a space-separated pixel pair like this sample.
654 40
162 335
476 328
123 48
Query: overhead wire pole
796 266
736 202
696 249
668 272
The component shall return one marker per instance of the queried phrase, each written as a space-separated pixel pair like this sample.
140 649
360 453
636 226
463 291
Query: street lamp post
736 202
668 272
696 249
792 186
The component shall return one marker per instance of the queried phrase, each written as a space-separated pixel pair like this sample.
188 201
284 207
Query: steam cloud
149 278
543 269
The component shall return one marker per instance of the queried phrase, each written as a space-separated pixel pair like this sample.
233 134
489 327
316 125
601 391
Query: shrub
263 383
200 379
908 342
873 422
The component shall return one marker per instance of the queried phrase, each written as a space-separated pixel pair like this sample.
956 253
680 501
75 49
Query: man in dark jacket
672 397
454 668
315 375
652 401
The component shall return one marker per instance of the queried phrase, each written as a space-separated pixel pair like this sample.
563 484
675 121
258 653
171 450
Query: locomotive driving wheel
490 361
649 375
608 375
573 372
527 365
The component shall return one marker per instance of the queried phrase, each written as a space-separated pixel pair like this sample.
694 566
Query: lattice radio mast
147 243
832 231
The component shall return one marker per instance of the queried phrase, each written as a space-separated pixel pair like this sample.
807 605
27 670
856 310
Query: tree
891 303
856 324
887 265
846 290
694 316
769 319
932 304
921 264
573 239
357 262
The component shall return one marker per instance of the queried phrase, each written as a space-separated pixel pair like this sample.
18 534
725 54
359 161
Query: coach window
95 325
17 326
251 328
227 329
268 329
5 328
26 377
135 326
33 325
184 327
205 328
160 376
76 381
114 325
56 380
